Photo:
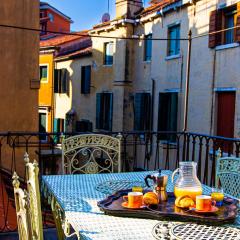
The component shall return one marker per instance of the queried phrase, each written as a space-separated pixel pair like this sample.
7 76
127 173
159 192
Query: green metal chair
91 153
228 175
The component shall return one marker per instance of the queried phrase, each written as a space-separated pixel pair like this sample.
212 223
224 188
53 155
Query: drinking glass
218 195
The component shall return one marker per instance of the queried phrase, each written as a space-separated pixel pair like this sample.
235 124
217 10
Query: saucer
125 205
213 210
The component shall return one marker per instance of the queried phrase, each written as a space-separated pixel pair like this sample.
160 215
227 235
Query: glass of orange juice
218 195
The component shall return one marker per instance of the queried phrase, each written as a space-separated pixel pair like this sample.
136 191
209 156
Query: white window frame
44 65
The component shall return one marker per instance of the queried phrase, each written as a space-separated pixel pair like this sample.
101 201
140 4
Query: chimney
128 8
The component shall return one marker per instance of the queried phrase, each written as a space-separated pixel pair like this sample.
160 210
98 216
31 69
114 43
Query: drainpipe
187 81
212 97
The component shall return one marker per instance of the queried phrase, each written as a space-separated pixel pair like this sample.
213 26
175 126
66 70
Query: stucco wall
46 89
19 66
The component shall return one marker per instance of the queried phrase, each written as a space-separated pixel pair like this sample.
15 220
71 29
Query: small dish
213 210
125 205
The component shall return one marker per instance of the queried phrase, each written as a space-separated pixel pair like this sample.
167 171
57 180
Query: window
43 124
227 17
43 73
148 48
61 81
104 107
173 42
142 111
86 79
167 114
51 17
108 53
229 23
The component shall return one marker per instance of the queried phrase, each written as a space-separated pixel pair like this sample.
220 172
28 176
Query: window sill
107 65
147 61
226 46
172 57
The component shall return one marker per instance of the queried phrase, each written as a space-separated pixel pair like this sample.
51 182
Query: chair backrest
32 171
91 153
228 174
22 210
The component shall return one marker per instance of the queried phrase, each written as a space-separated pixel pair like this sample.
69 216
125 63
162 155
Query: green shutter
138 112
55 125
98 110
64 85
163 106
56 80
142 111
173 115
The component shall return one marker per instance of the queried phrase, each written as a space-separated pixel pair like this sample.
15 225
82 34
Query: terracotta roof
79 53
74 46
156 6
60 39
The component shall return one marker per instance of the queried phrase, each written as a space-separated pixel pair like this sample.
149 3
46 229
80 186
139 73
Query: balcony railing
140 151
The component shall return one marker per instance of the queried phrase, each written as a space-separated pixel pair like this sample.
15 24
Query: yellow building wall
45 99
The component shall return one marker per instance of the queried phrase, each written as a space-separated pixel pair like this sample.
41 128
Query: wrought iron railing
140 151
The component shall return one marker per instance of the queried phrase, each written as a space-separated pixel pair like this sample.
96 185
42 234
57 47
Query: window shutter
110 111
87 79
215 24
238 23
83 77
173 115
137 112
163 114
64 87
98 110
142 111
146 111
56 80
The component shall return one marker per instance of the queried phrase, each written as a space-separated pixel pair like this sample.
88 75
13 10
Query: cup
204 203
218 195
134 199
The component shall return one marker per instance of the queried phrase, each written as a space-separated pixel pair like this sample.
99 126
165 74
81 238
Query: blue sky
84 13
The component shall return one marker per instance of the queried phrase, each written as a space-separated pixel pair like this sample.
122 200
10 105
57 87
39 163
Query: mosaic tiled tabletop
78 196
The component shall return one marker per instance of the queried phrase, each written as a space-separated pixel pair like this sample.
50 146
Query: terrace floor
11 221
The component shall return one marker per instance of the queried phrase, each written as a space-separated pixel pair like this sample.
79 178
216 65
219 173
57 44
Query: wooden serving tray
167 210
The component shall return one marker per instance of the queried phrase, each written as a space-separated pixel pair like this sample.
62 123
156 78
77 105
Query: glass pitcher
187 182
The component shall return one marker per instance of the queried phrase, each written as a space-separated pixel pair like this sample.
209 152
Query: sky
84 13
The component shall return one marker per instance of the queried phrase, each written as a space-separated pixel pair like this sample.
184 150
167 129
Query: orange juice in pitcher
191 192
187 182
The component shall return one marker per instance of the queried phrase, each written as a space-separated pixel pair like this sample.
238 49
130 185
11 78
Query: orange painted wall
59 24
46 88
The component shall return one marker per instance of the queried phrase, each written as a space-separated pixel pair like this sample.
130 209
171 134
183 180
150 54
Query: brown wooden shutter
215 24
238 23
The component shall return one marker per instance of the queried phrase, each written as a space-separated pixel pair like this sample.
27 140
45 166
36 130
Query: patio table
78 196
